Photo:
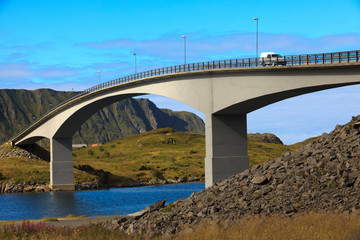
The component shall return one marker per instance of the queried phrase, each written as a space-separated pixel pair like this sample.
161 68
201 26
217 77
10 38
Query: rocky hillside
6 151
323 175
18 108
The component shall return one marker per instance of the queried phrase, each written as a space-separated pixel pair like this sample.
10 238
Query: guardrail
292 60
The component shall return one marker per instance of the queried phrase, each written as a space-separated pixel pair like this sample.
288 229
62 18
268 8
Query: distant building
81 145
95 145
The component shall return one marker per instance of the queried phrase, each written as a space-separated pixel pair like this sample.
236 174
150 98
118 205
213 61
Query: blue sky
61 44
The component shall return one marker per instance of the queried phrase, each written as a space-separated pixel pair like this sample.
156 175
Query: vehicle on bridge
272 59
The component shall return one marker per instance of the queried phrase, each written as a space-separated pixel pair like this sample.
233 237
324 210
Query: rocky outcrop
6 151
174 180
323 175
10 187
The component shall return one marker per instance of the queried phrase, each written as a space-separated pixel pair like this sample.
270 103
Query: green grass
259 152
158 154
162 153
168 207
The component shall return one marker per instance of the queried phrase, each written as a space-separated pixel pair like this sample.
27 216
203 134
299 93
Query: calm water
18 206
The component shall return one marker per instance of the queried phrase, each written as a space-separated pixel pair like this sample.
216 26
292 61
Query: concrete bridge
225 91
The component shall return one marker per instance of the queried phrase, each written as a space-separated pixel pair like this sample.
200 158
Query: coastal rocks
323 175
175 180
42 188
89 186
10 187
157 182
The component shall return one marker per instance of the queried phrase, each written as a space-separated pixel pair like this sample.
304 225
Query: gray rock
259 180
156 206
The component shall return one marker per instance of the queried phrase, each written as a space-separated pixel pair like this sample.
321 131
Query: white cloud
230 45
13 74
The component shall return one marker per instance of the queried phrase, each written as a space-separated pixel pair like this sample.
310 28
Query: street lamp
99 76
257 35
135 61
184 37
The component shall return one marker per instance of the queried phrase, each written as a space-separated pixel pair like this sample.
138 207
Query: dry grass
31 231
312 226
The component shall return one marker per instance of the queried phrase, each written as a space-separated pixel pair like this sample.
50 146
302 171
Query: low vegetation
259 152
162 154
311 226
158 154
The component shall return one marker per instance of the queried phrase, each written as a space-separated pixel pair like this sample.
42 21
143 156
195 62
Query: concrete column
226 147
61 164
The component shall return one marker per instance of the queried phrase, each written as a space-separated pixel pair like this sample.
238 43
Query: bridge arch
225 96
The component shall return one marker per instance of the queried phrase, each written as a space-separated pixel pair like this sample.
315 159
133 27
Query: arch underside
74 122
31 140
253 104
208 93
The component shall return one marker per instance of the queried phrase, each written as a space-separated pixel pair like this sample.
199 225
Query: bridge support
226 147
61 164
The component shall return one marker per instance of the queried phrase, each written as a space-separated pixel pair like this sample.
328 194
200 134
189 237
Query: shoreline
8 188
71 222
62 222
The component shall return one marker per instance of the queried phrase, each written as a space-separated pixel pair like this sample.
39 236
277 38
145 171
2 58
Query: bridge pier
61 164
226 146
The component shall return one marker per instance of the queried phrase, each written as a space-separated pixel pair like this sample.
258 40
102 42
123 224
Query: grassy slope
158 152
162 153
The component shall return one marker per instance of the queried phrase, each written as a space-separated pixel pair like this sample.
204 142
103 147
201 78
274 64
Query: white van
272 59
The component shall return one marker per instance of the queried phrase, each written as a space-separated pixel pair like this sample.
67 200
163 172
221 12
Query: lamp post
257 35
99 73
184 37
135 61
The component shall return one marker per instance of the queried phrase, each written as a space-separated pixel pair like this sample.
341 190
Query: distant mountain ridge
18 108
264 137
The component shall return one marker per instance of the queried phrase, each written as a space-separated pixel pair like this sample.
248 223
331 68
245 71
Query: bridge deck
296 62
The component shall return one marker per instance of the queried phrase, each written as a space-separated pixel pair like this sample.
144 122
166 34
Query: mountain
18 108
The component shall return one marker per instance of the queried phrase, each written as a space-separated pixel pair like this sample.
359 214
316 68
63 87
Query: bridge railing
308 59
292 60
323 58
